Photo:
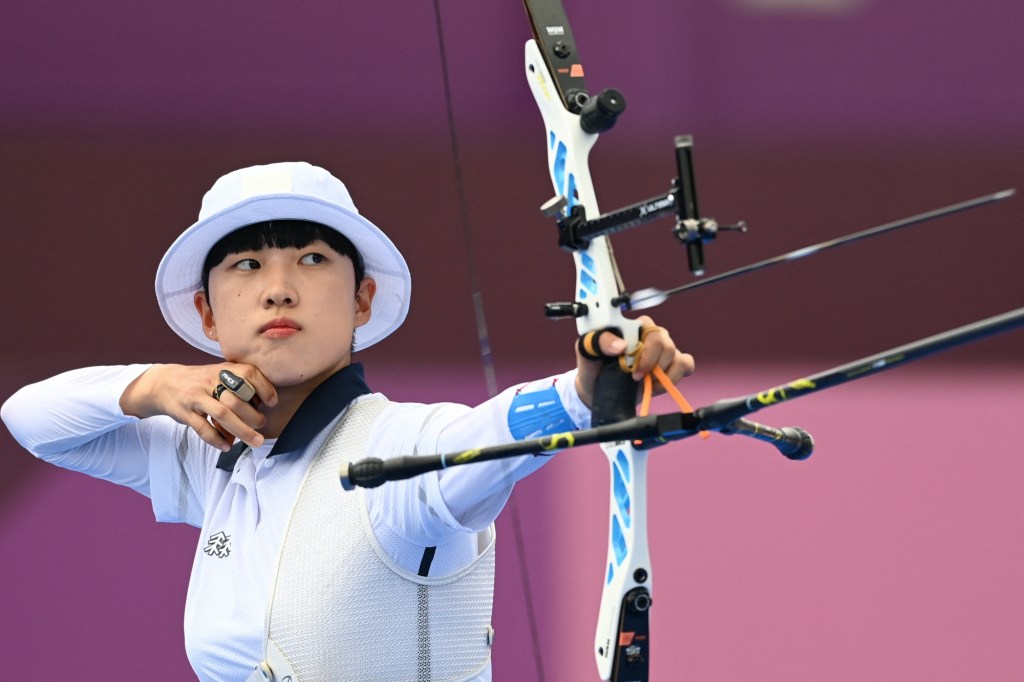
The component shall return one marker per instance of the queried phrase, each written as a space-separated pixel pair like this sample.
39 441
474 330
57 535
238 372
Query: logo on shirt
219 545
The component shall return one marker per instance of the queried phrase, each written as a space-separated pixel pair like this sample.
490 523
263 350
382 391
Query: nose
278 298
279 290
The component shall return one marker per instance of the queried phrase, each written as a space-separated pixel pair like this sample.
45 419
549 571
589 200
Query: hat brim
179 275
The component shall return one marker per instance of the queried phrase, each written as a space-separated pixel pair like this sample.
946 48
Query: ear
206 313
364 300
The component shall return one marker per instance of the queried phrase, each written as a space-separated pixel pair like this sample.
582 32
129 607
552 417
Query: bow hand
627 362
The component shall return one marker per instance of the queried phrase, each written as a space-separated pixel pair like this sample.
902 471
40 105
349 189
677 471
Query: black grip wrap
366 473
614 394
373 471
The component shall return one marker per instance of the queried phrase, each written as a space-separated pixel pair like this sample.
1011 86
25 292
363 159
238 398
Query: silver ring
237 385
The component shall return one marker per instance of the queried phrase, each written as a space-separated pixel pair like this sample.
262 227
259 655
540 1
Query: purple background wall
893 554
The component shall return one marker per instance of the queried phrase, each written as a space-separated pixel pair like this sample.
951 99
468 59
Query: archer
283 279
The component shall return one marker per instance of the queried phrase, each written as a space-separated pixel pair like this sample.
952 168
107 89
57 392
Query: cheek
339 299
226 311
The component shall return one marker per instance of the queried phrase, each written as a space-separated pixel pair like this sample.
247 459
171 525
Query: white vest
342 610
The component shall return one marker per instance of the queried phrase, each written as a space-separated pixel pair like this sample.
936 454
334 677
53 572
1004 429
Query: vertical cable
486 356
474 281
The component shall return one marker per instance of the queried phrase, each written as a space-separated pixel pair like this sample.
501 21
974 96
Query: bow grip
615 390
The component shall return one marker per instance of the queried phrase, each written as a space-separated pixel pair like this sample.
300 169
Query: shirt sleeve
74 420
426 509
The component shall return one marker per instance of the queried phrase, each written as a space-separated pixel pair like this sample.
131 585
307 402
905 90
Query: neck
289 399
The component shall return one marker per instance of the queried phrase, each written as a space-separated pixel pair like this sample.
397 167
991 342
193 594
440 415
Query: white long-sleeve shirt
74 420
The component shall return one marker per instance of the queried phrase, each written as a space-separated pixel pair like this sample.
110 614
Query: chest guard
342 610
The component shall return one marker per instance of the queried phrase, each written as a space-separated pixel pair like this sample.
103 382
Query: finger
599 344
248 412
265 390
208 432
236 384
658 350
222 431
647 325
611 345
683 365
230 421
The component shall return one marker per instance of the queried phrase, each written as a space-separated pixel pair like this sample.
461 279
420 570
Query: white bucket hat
280 191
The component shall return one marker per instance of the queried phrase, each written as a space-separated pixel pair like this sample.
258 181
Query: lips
281 325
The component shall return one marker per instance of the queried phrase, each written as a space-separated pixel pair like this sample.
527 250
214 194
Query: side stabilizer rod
648 298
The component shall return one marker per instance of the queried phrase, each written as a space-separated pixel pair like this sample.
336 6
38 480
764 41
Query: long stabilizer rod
726 416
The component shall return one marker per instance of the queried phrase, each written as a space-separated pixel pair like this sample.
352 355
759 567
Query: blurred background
894 553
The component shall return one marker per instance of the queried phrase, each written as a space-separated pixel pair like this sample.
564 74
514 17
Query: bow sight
575 232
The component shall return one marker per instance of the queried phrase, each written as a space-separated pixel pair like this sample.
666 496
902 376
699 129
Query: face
289 312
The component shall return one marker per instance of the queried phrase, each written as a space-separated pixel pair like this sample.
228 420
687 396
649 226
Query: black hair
280 234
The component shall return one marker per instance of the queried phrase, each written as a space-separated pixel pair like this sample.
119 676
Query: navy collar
318 409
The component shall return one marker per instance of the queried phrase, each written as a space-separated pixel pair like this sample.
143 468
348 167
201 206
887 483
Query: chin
290 375
283 378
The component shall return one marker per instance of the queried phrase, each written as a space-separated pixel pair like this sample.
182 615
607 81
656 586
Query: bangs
281 234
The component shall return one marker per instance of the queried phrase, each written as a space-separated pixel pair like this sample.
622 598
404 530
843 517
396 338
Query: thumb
612 345
601 343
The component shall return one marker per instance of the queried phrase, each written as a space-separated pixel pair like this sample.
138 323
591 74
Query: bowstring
483 338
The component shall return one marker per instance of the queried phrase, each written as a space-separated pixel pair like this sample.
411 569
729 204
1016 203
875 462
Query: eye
247 264
312 258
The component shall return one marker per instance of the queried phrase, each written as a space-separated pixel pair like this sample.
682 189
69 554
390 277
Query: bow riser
597 284
597 278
